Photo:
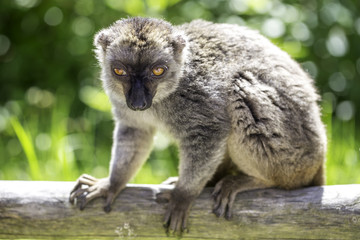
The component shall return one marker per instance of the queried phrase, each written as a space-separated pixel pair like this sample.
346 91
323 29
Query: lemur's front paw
96 188
176 216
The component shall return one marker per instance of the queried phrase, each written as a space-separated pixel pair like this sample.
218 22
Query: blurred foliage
55 121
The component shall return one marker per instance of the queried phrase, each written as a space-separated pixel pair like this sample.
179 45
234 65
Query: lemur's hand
96 188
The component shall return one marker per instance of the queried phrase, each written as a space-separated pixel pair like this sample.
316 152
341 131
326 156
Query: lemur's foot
224 194
96 188
226 190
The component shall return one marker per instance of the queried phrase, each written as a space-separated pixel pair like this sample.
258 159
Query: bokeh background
55 120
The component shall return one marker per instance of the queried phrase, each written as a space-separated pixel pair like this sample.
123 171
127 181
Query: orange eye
158 71
119 71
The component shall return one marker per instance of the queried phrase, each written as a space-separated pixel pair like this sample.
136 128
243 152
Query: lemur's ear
178 44
103 39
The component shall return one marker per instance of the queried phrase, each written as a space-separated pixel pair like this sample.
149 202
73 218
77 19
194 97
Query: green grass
26 142
55 162
343 155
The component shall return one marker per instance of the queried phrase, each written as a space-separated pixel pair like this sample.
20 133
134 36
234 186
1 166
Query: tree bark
30 209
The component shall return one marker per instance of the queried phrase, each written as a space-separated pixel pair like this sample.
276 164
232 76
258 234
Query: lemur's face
141 60
142 74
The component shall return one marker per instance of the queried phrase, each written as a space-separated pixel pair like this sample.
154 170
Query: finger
217 189
223 205
221 209
89 177
174 222
92 188
88 198
78 185
84 180
232 197
223 201
179 225
167 218
228 213
92 195
108 202
230 204
184 222
217 201
217 211
76 194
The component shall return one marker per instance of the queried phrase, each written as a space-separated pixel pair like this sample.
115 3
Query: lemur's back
229 49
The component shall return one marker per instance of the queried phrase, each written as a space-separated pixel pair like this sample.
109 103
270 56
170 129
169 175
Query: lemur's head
141 60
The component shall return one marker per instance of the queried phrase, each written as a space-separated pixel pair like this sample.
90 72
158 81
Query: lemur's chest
144 119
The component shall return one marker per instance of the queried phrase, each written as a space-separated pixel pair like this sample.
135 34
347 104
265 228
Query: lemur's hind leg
226 190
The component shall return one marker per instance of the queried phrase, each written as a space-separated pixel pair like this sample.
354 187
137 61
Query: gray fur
229 95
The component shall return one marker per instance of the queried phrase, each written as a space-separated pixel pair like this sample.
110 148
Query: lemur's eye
158 71
120 72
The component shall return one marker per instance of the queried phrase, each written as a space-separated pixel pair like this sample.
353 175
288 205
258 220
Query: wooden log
41 210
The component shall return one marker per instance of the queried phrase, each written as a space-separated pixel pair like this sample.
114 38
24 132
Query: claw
107 208
217 211
82 207
228 214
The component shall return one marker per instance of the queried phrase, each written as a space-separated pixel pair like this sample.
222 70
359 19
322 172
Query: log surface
40 210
